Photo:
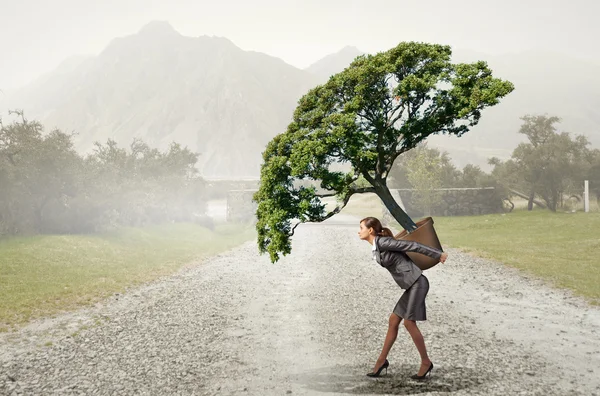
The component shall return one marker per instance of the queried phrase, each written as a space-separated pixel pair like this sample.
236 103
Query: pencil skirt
411 305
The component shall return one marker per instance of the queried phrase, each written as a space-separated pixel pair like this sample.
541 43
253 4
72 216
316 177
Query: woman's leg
417 338
392 333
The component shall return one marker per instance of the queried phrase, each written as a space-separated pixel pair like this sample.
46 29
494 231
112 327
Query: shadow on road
352 380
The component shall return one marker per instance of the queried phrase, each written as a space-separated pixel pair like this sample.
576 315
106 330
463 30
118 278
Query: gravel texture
311 324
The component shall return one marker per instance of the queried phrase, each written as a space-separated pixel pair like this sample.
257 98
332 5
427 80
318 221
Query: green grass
44 275
560 248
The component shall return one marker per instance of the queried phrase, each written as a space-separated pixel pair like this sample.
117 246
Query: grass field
44 275
560 247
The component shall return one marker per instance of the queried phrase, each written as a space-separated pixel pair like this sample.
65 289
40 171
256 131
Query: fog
126 80
156 157
38 35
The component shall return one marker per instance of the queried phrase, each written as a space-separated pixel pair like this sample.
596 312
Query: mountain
334 63
227 104
46 93
202 92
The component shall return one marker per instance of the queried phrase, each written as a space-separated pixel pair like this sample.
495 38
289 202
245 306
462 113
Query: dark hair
374 223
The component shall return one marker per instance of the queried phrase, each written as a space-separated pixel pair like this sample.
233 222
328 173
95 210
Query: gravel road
312 324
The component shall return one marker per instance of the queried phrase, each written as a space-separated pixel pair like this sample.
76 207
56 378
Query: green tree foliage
424 173
47 187
145 185
37 173
507 179
365 117
550 165
425 169
449 174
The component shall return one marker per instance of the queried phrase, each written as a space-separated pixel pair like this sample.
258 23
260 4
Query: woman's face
364 232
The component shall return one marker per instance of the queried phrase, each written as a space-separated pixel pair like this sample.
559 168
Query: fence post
586 196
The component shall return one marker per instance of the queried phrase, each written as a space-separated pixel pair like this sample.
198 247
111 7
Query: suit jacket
390 253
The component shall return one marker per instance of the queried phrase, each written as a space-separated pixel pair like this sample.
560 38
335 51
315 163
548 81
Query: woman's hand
443 257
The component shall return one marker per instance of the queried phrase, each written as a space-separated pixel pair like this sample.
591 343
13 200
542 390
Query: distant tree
424 173
40 173
550 165
398 175
47 187
552 160
366 116
472 176
507 180
145 185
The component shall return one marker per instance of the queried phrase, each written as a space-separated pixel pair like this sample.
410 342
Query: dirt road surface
312 324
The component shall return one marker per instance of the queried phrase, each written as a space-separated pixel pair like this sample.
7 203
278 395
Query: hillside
203 92
226 103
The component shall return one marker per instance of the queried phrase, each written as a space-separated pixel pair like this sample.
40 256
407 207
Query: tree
145 185
398 177
46 187
424 172
472 176
365 117
41 171
550 162
507 181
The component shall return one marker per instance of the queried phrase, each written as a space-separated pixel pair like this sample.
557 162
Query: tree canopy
357 124
47 187
550 164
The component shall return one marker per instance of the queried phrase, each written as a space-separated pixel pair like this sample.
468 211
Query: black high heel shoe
421 377
378 372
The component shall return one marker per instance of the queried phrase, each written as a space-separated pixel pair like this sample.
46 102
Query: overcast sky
39 34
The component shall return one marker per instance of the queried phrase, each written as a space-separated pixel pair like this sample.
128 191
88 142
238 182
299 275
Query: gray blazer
389 253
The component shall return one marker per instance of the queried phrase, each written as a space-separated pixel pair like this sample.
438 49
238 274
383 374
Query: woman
390 253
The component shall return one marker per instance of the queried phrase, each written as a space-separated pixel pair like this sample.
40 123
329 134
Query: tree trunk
554 203
530 201
560 200
512 205
396 211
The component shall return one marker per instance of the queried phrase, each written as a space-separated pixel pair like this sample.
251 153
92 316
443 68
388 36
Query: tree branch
368 177
380 154
294 227
396 154
345 201
400 107
338 208
326 195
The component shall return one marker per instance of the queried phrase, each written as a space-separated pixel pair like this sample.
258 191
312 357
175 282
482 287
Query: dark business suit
391 254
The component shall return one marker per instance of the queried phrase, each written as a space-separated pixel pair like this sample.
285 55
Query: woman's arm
400 245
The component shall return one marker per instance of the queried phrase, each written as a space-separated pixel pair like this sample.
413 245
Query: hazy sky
39 34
